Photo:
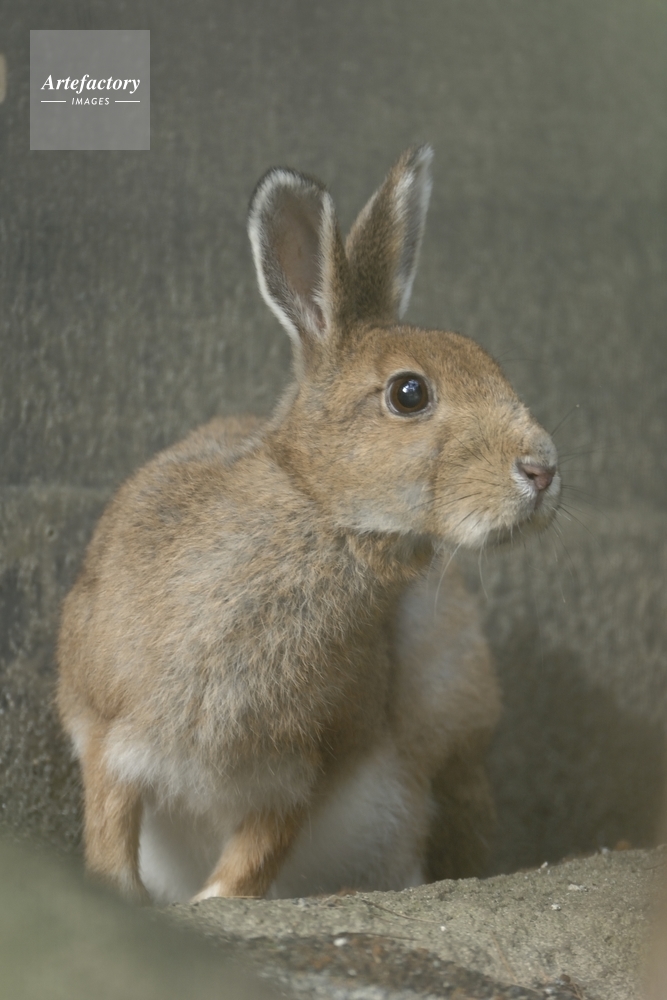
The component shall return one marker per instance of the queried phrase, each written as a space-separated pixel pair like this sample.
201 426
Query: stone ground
577 929
573 931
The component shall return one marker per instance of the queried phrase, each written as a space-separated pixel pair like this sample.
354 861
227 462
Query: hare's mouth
539 520
536 518
527 514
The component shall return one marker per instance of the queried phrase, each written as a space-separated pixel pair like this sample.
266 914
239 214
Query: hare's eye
407 394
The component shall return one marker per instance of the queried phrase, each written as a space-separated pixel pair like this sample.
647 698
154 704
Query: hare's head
391 428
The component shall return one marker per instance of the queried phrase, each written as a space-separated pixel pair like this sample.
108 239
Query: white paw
210 890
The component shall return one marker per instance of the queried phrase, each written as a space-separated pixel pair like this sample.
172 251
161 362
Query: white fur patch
365 833
403 513
524 486
178 850
79 731
210 892
413 193
445 683
257 224
168 778
190 811
259 249
472 531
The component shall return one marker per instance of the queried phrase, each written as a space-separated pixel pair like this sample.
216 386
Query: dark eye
408 394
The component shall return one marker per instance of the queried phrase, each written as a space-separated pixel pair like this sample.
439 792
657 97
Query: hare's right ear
299 255
383 245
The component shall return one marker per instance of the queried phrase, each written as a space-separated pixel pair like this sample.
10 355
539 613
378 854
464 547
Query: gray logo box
90 90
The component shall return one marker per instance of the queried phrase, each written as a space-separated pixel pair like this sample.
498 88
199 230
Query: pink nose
540 476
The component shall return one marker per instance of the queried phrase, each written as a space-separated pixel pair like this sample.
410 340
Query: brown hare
269 679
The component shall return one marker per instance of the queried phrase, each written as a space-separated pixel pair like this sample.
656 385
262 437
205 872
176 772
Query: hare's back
149 558
172 503
222 438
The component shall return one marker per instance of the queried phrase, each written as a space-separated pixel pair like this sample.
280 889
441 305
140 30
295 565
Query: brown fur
253 855
112 822
234 635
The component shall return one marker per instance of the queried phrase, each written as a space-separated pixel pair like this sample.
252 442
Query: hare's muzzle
538 476
535 475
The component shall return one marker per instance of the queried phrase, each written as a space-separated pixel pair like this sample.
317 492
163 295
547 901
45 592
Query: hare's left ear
299 256
383 245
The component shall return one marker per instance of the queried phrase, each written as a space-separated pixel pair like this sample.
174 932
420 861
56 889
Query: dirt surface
577 929
376 967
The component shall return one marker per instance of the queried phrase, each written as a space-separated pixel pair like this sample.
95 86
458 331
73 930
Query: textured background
129 313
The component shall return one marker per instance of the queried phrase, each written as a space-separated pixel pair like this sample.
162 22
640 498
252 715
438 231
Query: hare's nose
539 476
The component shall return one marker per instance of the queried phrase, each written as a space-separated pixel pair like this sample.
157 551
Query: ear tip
420 157
279 178
424 152
274 178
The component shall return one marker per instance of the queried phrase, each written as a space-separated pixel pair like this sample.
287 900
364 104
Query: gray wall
129 314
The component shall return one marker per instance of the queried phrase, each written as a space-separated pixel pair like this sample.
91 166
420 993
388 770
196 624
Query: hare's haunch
271 682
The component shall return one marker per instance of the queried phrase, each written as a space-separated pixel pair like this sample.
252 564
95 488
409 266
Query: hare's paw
253 855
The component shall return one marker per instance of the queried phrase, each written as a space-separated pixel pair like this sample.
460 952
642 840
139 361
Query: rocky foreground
574 930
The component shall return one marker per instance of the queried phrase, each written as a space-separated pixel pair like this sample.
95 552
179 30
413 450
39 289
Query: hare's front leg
463 816
112 822
254 854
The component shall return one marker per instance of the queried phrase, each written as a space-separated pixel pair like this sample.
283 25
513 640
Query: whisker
572 516
442 577
603 449
523 360
559 535
584 499
443 504
578 489
566 417
469 514
479 567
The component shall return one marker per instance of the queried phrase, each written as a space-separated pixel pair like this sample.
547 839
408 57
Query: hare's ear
383 245
298 253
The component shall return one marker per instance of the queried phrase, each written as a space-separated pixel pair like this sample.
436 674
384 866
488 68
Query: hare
270 681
